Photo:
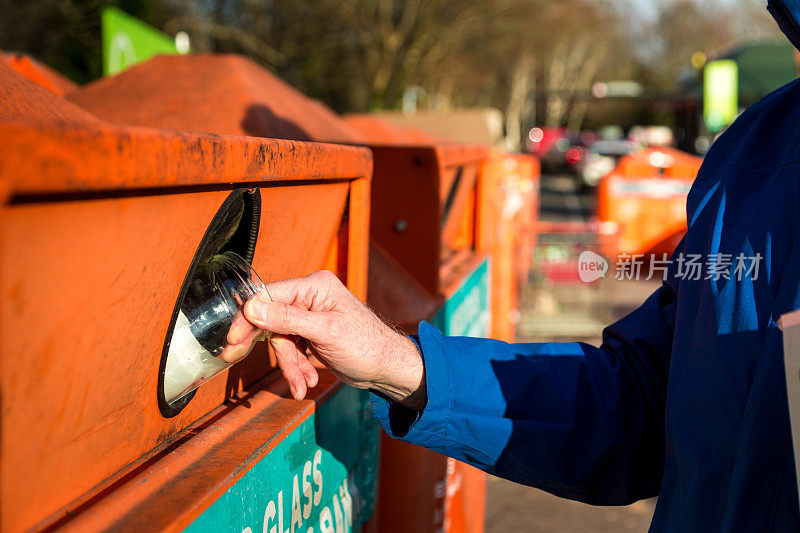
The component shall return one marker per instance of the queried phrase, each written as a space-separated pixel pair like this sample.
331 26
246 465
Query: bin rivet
400 226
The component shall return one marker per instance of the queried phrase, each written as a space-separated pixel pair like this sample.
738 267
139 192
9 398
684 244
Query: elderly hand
319 315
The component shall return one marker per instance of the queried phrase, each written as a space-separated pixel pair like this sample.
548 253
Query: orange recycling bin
508 209
423 257
643 201
506 215
380 131
426 264
218 93
39 73
104 231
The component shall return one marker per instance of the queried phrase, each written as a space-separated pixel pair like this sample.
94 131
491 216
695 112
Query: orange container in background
508 211
643 201
39 73
101 227
430 210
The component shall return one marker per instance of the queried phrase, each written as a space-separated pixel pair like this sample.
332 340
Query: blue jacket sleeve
578 421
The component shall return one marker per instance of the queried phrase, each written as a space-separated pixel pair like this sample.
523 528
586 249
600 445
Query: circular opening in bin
225 253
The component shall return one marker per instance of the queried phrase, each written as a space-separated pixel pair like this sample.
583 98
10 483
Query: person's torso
729 463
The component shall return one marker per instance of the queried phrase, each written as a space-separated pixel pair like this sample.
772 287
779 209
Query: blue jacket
686 397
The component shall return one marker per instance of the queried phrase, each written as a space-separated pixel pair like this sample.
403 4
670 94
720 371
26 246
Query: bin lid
648 163
474 126
378 130
21 98
39 72
219 93
51 145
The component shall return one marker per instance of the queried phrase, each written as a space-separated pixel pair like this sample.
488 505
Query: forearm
583 422
402 380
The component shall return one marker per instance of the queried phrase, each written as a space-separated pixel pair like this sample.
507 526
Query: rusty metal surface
219 93
39 73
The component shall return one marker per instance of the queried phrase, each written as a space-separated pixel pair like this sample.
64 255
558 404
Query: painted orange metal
240 433
97 228
375 129
226 94
529 172
23 98
231 95
160 159
465 494
393 288
378 130
418 136
39 73
507 213
644 199
677 164
424 207
409 222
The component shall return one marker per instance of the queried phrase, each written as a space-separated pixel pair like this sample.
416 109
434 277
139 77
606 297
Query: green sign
127 41
466 313
720 94
319 479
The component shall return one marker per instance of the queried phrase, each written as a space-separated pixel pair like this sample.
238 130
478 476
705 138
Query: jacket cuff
430 425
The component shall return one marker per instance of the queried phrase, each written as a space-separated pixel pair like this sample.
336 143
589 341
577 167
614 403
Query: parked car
552 147
601 158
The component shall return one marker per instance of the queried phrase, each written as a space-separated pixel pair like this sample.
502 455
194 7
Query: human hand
319 315
242 338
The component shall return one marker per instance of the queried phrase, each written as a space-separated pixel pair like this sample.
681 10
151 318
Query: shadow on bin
260 118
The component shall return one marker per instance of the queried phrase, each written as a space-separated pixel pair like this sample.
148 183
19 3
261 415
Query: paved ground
514 508
566 311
